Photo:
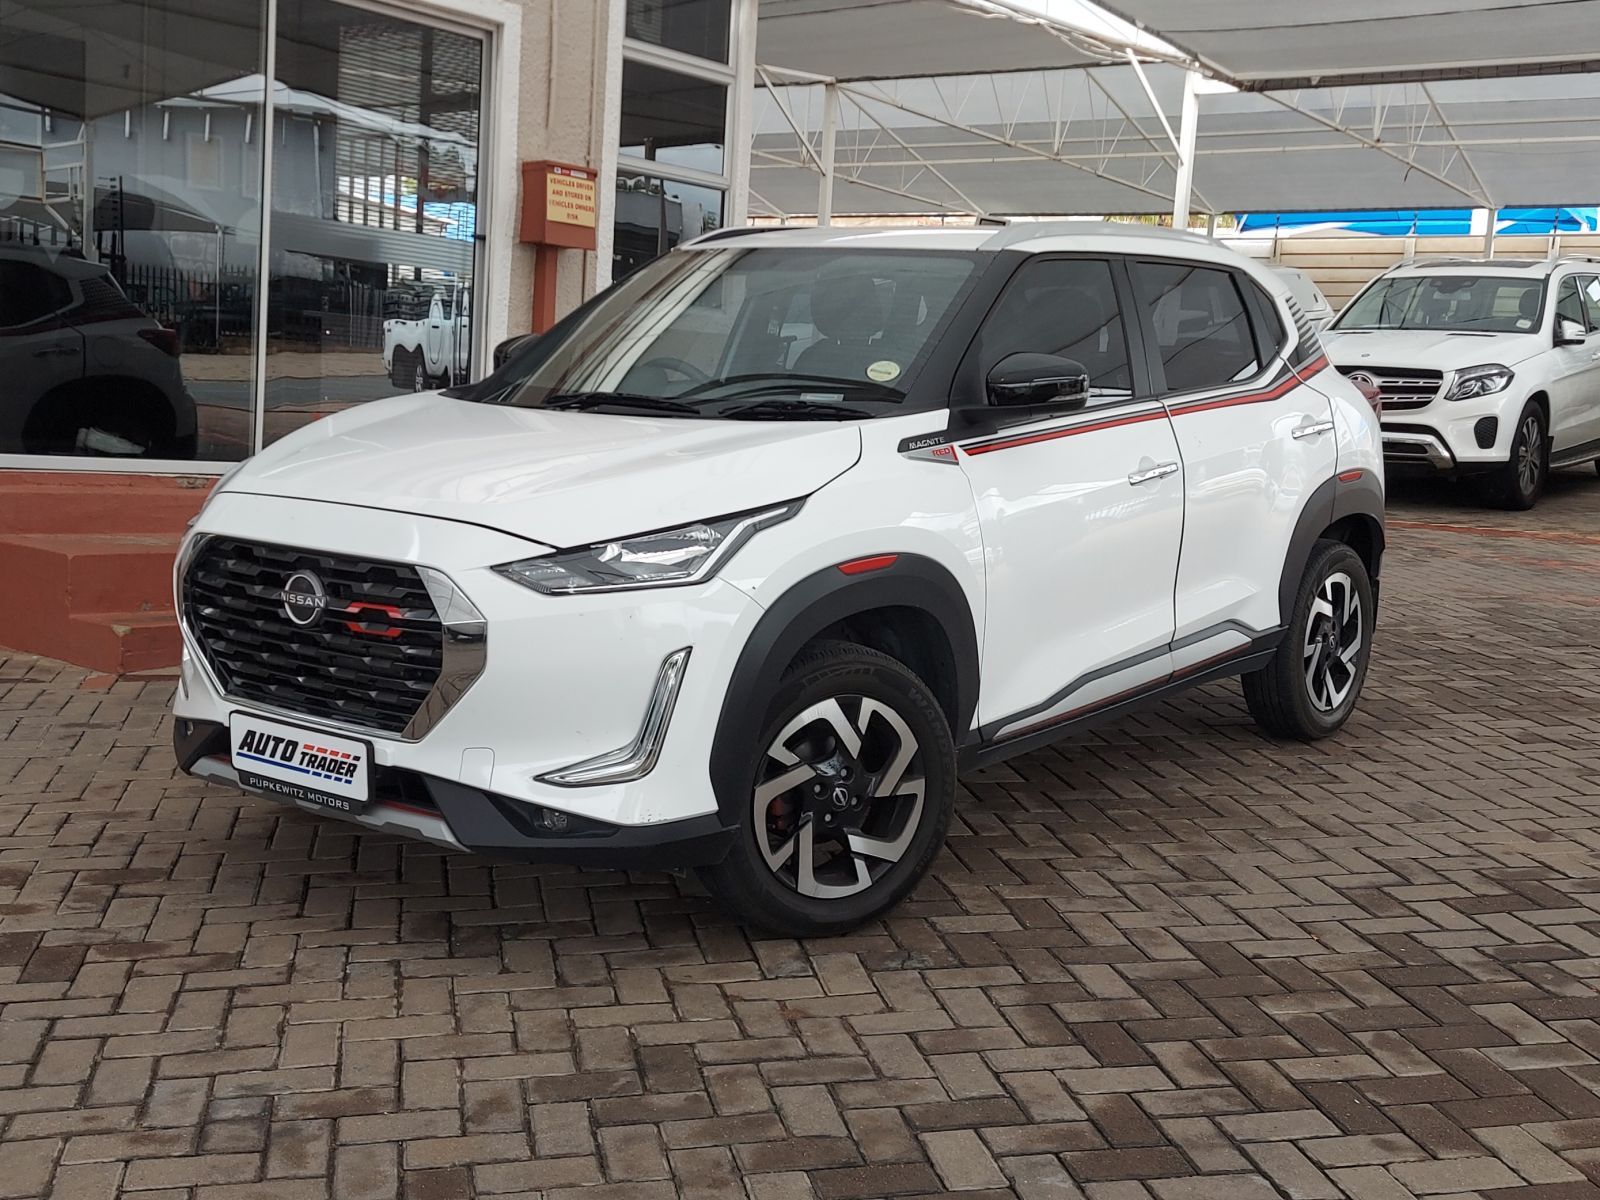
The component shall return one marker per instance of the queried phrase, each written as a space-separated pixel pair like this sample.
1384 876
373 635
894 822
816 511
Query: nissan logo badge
304 598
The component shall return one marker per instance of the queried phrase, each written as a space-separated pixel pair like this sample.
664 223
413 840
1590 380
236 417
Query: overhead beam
1298 83
985 135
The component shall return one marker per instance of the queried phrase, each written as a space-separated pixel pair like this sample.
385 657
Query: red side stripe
1052 434
1298 376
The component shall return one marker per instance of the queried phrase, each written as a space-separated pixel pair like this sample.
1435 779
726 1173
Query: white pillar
1489 232
1184 192
742 118
830 131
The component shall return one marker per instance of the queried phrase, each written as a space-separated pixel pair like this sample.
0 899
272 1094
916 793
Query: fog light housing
1485 432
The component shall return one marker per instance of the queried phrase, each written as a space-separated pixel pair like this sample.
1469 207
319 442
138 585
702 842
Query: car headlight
1480 381
671 558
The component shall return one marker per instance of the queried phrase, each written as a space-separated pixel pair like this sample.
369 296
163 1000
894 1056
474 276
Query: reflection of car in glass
1487 369
432 351
738 564
84 370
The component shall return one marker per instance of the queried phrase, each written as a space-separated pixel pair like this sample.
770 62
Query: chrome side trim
1433 448
638 758
380 817
466 651
465 655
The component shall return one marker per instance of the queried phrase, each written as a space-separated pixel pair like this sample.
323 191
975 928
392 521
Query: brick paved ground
1171 960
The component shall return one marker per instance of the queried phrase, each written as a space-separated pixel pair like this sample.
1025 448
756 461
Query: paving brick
1166 960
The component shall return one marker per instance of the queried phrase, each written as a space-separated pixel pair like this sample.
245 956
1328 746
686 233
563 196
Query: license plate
303 765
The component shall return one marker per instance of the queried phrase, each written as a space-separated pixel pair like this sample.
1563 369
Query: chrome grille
1402 388
371 668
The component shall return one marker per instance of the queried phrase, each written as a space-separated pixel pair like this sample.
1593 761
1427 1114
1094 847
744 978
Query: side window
1202 331
1272 334
1590 286
1066 307
29 293
1570 304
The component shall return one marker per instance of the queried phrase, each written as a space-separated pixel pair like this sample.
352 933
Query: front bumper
1454 436
449 814
566 680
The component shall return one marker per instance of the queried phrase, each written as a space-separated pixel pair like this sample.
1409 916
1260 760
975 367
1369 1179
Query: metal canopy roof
896 39
1423 103
1294 43
1091 141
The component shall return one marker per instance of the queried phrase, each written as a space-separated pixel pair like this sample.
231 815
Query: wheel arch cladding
895 608
1348 509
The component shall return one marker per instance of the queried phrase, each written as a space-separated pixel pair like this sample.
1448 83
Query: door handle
49 351
1160 472
1305 431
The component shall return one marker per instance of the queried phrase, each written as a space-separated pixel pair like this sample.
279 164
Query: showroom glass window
374 210
673 169
130 179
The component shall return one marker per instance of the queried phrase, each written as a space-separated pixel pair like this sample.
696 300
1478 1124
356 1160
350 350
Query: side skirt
1249 658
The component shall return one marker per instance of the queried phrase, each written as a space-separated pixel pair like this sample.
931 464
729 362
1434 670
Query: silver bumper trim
381 818
638 758
1430 449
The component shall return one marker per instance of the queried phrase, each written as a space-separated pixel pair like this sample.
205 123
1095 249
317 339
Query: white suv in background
1486 369
739 565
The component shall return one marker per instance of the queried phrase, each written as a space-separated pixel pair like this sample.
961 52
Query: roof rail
722 235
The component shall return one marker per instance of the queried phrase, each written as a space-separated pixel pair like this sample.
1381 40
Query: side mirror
512 344
1033 380
1570 333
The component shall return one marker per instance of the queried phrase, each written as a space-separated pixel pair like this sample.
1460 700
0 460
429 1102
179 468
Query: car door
1081 510
1575 379
1256 442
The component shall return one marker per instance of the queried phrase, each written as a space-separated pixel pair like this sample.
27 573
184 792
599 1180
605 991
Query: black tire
400 369
766 894
1284 697
1518 484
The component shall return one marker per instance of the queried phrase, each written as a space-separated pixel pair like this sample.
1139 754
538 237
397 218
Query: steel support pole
830 133
1183 193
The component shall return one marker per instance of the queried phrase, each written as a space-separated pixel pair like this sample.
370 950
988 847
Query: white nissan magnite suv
1487 369
741 564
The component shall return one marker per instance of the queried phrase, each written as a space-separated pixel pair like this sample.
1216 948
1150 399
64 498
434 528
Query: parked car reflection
84 370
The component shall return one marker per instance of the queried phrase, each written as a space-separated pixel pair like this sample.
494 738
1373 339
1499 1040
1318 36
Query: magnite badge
883 371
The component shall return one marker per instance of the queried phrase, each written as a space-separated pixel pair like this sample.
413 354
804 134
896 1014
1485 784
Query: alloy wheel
839 797
1530 454
1333 641
419 379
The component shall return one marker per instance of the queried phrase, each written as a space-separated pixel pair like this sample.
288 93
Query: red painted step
123 643
86 566
60 502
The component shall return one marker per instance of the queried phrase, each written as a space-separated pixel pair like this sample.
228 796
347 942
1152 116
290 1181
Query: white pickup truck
435 350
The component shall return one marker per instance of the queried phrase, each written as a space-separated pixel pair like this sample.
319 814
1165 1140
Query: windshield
1463 303
804 333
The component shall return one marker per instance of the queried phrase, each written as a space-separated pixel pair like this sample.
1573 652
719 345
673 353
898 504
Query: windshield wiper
794 410
589 401
768 382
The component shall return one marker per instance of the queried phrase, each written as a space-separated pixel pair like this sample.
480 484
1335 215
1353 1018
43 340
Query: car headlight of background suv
1480 381
670 558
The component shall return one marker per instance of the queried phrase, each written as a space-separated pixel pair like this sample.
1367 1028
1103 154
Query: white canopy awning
1296 43
1407 125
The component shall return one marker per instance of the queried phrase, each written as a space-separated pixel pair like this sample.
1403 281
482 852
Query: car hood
560 478
1429 348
